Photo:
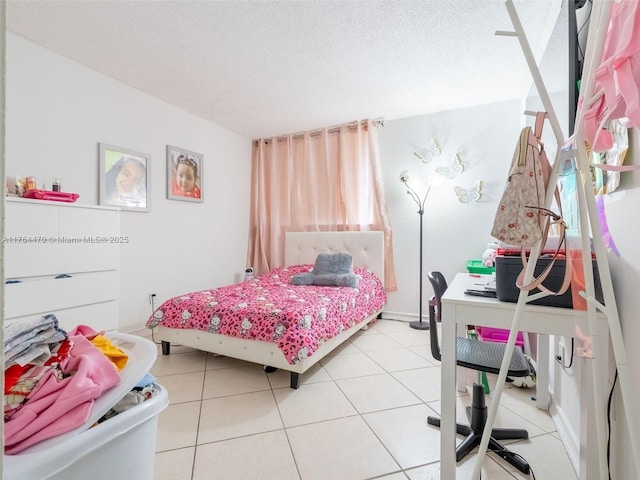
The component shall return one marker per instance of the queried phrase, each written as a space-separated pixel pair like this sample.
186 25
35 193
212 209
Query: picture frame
184 175
124 178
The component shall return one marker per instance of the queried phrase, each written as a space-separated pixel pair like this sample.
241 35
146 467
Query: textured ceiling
263 68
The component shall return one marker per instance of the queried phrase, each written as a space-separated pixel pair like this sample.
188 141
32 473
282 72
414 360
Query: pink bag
522 219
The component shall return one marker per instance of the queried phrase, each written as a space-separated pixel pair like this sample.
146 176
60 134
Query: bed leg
295 380
166 347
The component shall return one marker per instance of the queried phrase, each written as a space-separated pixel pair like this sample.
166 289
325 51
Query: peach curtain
325 180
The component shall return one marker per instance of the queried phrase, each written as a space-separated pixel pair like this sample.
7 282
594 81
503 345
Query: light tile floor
359 414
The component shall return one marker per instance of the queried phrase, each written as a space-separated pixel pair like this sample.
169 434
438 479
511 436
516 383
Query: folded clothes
24 330
32 354
31 340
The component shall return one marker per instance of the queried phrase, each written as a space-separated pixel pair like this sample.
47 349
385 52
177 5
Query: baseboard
568 436
402 317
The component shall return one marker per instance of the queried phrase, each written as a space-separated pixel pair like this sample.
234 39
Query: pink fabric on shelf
59 405
50 195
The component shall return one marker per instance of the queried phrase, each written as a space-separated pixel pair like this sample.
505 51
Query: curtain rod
377 122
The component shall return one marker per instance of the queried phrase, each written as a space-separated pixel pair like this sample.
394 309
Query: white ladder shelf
588 218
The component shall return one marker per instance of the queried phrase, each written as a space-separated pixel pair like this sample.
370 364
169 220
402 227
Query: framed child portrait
124 178
184 175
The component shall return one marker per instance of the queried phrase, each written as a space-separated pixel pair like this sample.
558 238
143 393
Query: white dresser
79 244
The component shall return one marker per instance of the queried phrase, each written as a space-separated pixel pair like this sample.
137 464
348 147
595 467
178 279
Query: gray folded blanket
330 269
327 263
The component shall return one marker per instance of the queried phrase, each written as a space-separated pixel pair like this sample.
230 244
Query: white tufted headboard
366 248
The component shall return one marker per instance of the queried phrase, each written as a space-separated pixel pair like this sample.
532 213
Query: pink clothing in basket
59 405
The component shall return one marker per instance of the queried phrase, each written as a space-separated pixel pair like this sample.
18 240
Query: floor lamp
404 178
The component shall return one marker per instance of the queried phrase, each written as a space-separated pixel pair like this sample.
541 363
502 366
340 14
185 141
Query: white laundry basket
122 447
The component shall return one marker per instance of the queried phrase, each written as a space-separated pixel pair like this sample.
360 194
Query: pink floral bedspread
298 318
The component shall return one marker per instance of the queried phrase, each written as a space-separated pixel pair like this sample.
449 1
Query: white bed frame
367 250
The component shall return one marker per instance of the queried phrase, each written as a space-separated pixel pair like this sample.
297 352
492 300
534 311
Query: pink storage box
498 335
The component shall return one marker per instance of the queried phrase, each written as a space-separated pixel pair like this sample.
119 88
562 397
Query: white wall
57 113
623 220
484 137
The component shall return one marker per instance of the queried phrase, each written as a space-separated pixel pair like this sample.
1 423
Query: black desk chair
482 357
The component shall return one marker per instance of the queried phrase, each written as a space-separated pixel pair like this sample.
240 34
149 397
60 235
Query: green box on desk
476 266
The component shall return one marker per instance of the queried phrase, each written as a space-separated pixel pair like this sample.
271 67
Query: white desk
459 309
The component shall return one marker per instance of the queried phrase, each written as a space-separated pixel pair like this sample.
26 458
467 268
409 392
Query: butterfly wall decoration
430 153
455 168
468 195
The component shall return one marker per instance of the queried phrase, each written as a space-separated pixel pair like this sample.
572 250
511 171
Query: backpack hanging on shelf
522 219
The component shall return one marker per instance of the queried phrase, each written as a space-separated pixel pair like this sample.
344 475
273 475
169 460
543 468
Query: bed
201 326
